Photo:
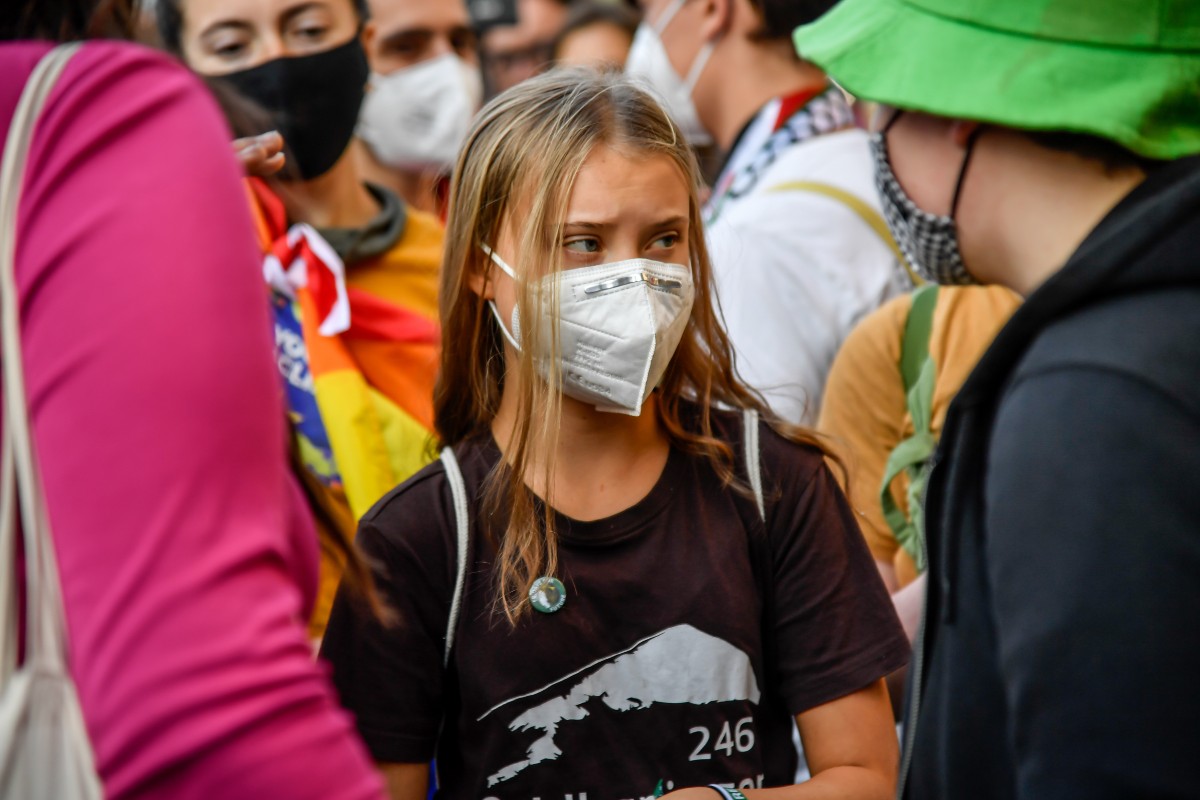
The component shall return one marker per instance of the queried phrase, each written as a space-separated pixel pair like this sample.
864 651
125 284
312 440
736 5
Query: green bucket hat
1124 70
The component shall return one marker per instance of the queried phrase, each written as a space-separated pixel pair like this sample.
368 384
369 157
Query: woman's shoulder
780 450
109 91
426 494
118 70
133 75
415 525
97 63
786 454
419 490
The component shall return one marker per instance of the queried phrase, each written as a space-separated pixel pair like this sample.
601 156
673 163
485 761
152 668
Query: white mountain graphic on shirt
678 665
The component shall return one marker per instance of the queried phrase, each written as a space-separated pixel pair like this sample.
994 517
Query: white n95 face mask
648 60
417 117
619 325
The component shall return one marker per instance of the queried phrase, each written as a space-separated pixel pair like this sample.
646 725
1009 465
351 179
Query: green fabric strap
919 373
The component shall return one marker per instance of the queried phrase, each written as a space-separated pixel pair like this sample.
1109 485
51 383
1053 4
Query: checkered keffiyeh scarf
929 241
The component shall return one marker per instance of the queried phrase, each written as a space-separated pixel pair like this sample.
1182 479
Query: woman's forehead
201 14
616 183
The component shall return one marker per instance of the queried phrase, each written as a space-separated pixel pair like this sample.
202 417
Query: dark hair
170 20
591 12
781 17
68 20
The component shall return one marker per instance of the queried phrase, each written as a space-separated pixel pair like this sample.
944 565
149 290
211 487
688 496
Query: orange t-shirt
865 412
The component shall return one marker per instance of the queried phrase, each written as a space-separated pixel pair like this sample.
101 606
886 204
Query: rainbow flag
358 353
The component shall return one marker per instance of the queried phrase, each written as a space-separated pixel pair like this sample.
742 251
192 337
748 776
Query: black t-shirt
656 667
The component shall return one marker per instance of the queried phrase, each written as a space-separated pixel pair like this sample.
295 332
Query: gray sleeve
1093 547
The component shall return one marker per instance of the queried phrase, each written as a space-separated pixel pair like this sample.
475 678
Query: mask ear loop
887 126
693 76
962 172
659 25
503 328
499 262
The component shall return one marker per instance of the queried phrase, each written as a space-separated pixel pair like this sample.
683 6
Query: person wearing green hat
1051 146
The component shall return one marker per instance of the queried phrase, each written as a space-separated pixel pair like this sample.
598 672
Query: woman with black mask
185 560
355 319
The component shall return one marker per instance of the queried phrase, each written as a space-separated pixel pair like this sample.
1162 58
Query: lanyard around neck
797 117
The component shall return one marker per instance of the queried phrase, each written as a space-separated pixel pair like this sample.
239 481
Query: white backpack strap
462 525
753 467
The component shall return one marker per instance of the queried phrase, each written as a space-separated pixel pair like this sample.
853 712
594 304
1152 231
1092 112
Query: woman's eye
583 246
667 242
228 47
311 32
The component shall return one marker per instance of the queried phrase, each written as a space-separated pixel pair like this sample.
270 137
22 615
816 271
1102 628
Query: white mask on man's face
648 60
417 117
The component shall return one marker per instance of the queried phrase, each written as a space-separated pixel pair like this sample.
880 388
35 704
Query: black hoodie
1060 656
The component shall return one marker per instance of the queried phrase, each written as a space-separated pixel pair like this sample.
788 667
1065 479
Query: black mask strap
962 172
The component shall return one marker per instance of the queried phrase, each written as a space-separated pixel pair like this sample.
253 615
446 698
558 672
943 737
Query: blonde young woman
620 617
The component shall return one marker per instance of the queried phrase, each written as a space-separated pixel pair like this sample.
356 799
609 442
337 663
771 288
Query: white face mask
648 60
417 117
619 325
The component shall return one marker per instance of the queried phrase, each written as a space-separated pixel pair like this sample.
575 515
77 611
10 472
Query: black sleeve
836 630
389 674
1093 520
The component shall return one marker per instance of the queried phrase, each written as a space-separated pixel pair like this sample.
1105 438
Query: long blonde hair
527 147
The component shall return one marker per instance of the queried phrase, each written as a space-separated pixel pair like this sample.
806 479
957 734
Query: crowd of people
605 400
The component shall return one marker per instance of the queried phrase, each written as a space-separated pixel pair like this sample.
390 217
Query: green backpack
913 454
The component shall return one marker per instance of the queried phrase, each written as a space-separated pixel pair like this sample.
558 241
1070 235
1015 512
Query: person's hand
261 156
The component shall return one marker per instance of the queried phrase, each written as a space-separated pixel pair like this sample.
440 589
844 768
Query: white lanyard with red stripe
771 133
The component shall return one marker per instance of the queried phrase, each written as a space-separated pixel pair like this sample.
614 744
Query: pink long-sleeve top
186 563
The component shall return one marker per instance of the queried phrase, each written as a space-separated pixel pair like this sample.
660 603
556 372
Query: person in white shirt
799 249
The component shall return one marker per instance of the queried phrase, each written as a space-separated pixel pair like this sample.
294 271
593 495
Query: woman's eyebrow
221 24
678 219
289 14
241 24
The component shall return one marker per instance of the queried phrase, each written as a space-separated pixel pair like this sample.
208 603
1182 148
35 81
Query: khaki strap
860 207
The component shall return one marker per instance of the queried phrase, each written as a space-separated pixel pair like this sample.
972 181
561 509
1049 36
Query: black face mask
313 102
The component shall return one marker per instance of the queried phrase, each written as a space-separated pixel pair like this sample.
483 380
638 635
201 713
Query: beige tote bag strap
8 557
45 624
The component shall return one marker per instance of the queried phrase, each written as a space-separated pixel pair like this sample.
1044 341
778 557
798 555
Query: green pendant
547 594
